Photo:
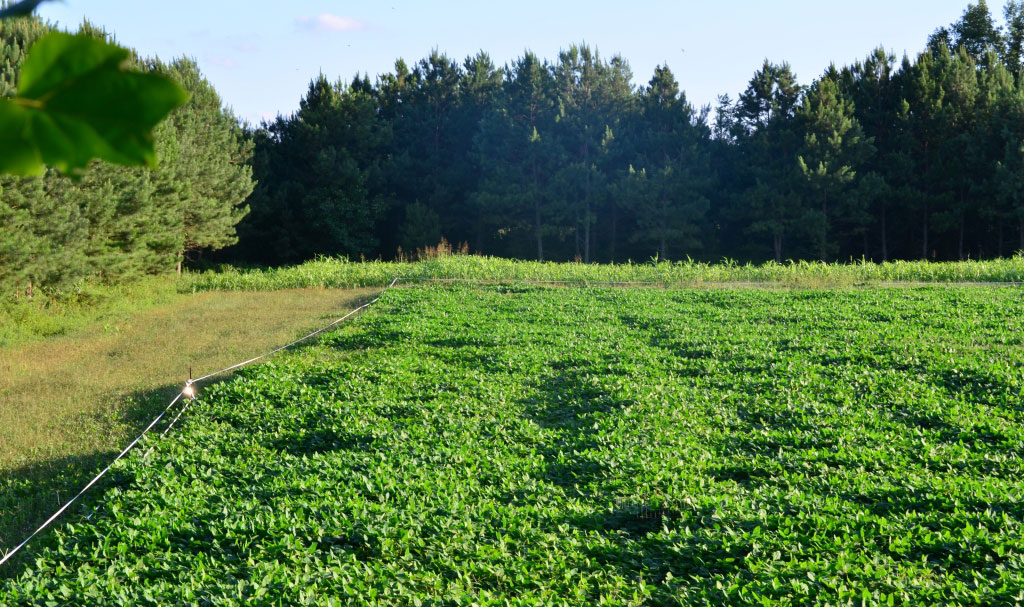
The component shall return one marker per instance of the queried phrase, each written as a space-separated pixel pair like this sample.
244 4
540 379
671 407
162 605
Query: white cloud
222 61
326 22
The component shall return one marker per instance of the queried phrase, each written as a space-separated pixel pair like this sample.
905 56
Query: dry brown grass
68 404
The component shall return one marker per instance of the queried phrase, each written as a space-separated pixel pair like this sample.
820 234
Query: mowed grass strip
68 404
513 445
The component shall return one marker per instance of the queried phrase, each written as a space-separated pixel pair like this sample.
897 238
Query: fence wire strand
188 384
327 327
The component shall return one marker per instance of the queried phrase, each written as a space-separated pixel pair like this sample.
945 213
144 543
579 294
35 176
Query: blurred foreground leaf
20 9
77 100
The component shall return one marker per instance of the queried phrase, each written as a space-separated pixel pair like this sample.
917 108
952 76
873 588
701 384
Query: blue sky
261 55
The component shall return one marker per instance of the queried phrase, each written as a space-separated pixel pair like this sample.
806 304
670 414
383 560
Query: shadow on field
571 403
635 545
30 493
982 387
34 487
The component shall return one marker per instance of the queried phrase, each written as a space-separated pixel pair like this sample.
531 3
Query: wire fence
187 393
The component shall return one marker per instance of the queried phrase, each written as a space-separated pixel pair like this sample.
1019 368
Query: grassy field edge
332 272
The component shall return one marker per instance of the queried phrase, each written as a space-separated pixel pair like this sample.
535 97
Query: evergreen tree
767 140
1013 12
873 86
879 159
204 172
1011 187
421 228
667 195
479 91
621 111
925 98
977 33
42 241
1008 179
516 151
119 222
578 77
316 173
431 136
834 147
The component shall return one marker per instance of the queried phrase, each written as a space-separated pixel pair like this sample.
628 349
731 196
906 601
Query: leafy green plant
512 444
77 100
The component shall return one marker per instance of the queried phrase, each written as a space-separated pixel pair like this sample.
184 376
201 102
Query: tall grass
68 311
340 273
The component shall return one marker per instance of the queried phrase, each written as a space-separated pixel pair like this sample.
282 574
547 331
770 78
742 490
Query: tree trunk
960 242
576 239
924 235
661 250
960 238
536 228
28 290
615 221
885 238
778 247
1021 231
536 213
586 206
179 266
824 225
586 234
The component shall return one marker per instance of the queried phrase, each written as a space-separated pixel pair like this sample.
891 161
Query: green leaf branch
77 100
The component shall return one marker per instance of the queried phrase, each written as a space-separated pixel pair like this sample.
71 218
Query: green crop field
526 445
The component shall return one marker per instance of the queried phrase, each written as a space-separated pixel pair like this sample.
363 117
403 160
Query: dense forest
889 158
115 222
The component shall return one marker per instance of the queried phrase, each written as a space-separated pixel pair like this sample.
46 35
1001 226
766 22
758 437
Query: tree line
883 159
115 222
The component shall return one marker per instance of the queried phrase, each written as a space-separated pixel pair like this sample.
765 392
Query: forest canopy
889 158
118 222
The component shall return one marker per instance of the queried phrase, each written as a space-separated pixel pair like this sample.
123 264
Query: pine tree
621 110
317 175
1010 182
925 99
204 172
834 147
1013 12
1008 179
517 152
479 91
579 75
667 191
767 142
431 136
873 85
420 228
977 33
